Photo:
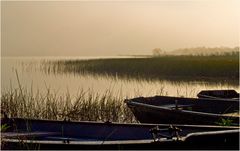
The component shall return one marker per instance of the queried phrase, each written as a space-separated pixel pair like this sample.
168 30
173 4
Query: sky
100 28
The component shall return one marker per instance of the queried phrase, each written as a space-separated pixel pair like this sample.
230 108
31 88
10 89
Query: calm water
32 77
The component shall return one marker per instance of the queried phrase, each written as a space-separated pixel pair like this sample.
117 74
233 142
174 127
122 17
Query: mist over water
32 76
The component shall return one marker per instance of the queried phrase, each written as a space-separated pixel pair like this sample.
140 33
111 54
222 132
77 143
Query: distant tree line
198 51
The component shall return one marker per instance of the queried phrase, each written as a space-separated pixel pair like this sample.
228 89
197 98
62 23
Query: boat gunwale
95 142
210 133
189 98
169 109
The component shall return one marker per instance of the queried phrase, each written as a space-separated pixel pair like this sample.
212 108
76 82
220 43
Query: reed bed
86 106
219 68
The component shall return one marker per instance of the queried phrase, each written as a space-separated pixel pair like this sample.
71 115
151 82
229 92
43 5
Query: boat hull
195 111
67 135
165 116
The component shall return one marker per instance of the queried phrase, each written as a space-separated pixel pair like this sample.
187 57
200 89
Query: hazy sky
80 28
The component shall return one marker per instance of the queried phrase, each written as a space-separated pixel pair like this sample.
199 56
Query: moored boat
218 94
47 134
179 110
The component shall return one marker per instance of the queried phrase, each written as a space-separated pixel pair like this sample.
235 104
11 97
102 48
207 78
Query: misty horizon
180 51
105 28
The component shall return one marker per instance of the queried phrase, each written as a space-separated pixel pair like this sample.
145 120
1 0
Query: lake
32 76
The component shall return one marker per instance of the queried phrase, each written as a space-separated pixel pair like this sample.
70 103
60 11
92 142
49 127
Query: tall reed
86 106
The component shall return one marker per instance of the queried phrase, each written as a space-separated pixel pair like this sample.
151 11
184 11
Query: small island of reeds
211 68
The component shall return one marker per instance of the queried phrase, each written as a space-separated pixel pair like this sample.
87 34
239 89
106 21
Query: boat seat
236 114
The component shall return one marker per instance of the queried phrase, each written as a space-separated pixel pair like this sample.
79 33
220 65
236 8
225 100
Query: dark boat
47 134
217 94
179 110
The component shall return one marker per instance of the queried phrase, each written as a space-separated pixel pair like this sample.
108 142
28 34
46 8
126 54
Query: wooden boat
217 94
46 134
179 110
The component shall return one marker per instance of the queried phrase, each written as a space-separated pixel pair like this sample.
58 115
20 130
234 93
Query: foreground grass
86 106
220 68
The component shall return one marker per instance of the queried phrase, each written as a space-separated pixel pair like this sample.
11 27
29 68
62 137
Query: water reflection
32 75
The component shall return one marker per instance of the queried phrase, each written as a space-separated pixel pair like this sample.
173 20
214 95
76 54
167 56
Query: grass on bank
86 106
211 68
